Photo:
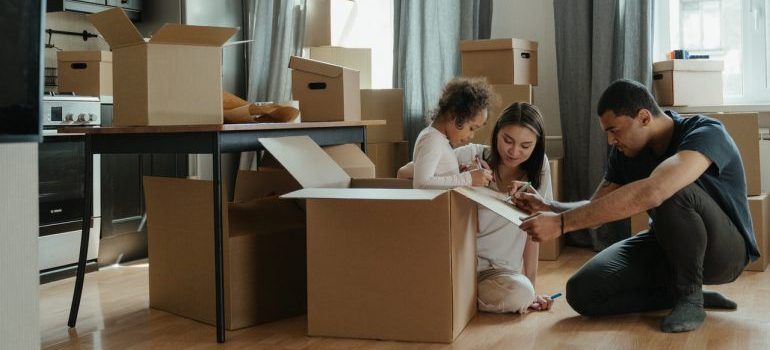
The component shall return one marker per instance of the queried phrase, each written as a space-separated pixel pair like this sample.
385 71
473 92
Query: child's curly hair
463 98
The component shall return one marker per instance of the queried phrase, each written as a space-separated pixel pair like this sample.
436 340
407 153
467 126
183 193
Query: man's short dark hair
627 97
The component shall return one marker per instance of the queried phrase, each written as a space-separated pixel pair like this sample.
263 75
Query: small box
383 104
175 78
688 82
354 162
551 250
359 59
758 205
264 249
507 94
327 22
501 61
388 157
86 73
326 92
389 264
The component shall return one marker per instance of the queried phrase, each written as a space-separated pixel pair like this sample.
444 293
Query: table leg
85 231
216 164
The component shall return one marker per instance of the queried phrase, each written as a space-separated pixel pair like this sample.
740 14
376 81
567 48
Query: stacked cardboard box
688 82
386 146
552 249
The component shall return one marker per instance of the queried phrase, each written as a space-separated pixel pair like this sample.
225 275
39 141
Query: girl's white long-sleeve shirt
435 163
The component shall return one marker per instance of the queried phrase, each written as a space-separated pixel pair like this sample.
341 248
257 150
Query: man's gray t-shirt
724 180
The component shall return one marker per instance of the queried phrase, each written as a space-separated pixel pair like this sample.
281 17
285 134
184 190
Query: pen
523 187
478 163
554 296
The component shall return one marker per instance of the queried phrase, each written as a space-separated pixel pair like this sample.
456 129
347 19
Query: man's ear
645 116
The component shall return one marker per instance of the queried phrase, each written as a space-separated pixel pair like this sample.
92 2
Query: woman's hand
528 199
481 177
541 303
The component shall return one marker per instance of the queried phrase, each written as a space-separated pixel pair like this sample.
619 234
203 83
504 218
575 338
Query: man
688 175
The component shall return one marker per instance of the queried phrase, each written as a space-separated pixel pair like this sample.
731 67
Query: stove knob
68 117
81 117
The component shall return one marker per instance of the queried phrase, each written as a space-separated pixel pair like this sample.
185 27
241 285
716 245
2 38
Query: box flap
352 160
316 67
116 28
172 33
493 201
497 44
307 162
365 193
689 65
84 56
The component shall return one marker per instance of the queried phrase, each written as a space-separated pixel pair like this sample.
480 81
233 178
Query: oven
61 162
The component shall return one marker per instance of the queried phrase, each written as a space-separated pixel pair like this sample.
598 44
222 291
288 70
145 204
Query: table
197 139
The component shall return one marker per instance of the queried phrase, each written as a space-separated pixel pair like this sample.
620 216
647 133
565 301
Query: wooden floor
115 315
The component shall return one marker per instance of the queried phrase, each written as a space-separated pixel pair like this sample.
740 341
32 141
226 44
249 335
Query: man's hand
542 226
529 201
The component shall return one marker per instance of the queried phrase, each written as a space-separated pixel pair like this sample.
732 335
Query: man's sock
687 315
715 300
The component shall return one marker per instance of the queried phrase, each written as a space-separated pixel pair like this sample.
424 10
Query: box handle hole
79 65
316 86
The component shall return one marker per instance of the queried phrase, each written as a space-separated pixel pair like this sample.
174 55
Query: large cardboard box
264 249
359 59
383 104
354 162
86 73
760 218
175 78
388 157
744 129
688 82
326 92
391 264
328 22
506 94
501 61
552 249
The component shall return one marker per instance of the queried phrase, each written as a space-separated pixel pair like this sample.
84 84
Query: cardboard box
359 59
760 218
264 250
640 222
507 94
383 104
391 264
388 157
552 249
744 129
175 78
501 61
86 73
327 22
354 162
688 82
326 92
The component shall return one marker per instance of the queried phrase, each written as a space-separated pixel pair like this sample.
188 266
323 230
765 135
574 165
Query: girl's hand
541 303
481 177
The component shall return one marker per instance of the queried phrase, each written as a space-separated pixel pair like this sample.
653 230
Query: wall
19 315
533 20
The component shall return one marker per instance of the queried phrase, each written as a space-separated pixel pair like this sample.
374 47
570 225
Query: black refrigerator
21 70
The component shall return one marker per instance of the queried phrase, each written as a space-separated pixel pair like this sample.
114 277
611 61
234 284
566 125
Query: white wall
19 315
533 20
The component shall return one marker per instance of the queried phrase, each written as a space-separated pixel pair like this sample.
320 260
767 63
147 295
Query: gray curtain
277 28
425 49
597 42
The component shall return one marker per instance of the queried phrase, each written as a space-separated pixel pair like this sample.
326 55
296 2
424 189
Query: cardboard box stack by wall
688 82
406 258
552 249
744 129
386 146
175 78
326 92
760 218
359 59
328 21
501 61
264 249
640 222
388 157
507 94
86 73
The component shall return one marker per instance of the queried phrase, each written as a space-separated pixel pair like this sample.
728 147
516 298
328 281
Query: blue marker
552 297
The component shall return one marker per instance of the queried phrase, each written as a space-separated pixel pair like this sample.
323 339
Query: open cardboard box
385 263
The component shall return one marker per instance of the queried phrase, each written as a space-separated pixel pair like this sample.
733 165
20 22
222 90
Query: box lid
493 201
172 33
84 56
351 159
306 162
689 65
365 193
116 28
316 67
497 44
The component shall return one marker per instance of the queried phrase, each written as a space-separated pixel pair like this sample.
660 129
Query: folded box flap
116 28
306 162
316 67
493 201
172 33
365 193
497 44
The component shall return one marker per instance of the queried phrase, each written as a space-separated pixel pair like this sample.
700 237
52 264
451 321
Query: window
734 31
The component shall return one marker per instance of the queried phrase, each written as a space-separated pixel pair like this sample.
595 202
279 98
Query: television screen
21 71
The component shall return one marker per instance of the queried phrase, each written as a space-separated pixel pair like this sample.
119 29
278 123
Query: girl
507 259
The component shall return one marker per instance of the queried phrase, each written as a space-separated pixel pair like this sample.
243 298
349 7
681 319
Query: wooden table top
211 128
